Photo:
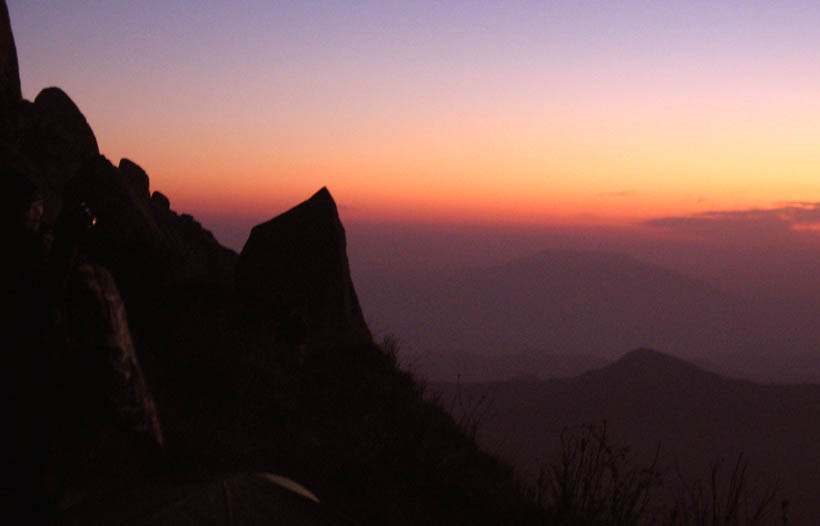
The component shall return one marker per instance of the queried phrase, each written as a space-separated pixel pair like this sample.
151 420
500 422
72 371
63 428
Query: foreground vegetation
597 483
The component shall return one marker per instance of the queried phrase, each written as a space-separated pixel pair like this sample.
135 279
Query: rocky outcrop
160 202
136 178
53 140
9 73
108 431
66 130
198 256
85 298
109 283
122 216
294 270
101 342
146 245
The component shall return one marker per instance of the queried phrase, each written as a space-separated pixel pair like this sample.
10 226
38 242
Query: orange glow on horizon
529 162
572 114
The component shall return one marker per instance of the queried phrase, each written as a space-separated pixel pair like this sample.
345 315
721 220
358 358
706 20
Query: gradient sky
504 112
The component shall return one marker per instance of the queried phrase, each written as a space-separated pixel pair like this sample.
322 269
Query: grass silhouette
596 483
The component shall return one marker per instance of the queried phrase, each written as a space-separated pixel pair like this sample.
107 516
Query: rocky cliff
150 368
294 268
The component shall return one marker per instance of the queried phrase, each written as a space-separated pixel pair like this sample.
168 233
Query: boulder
160 202
136 178
293 273
64 128
52 137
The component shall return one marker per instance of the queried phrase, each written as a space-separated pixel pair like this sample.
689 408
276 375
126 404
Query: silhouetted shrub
597 483
594 482
719 503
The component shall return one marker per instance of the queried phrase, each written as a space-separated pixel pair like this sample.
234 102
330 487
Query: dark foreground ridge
156 377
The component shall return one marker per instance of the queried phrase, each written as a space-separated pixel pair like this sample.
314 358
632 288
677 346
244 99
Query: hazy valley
653 402
572 309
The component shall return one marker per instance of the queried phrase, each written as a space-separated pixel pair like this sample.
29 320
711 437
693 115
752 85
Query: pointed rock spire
294 272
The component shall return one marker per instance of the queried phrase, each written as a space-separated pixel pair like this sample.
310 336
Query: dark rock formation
68 131
73 391
238 498
126 238
9 73
198 258
122 215
108 433
109 284
149 248
100 340
52 139
136 178
160 202
75 385
294 268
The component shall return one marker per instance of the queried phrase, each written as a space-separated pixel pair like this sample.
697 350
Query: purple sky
678 132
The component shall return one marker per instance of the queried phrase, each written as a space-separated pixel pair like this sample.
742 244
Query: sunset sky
569 112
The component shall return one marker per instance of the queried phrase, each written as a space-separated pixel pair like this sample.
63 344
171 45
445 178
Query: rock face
294 268
53 140
143 289
136 178
198 258
84 298
127 317
100 339
66 126
108 430
9 73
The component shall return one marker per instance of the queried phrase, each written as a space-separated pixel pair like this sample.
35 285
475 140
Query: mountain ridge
582 302
651 400
132 313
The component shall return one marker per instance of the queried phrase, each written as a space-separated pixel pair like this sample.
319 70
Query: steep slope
279 376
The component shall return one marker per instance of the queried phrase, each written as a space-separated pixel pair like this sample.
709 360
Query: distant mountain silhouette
589 303
651 399
647 365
